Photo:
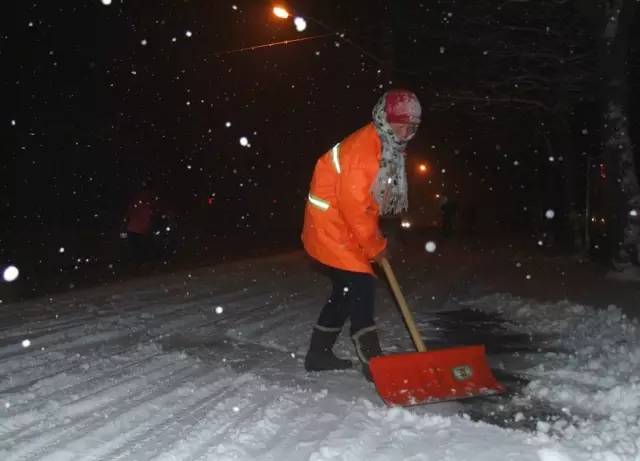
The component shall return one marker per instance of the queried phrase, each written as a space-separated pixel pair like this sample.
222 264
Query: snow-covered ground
207 365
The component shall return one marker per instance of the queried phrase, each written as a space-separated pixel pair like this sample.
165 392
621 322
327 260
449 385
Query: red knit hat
402 106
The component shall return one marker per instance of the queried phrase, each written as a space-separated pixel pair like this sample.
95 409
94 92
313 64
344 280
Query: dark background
90 113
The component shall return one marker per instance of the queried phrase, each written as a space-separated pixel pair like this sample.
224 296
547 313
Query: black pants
352 296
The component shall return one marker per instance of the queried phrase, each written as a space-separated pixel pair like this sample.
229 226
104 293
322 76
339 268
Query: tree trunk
571 226
622 186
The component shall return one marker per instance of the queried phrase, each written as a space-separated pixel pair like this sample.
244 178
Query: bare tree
530 61
611 22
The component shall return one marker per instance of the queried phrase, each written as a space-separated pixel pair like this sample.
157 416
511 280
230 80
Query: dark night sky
99 98
96 111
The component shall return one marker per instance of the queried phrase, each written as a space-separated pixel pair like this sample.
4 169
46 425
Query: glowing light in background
280 12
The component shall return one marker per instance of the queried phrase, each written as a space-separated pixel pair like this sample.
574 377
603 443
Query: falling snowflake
430 247
219 310
26 343
61 250
550 214
188 34
143 42
300 24
10 274
244 142
228 124
106 2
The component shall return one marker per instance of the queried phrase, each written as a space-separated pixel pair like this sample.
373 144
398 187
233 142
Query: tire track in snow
172 428
81 390
150 418
242 306
52 326
95 410
77 401
208 433
269 430
45 366
251 436
38 322
51 360
85 335
58 343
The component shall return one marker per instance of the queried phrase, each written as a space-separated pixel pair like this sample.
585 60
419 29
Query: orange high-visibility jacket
341 217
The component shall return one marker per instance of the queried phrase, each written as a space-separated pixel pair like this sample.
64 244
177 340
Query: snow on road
207 365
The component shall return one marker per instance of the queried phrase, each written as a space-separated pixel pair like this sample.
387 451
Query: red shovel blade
427 377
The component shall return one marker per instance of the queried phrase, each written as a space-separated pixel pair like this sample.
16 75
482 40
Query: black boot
320 356
367 346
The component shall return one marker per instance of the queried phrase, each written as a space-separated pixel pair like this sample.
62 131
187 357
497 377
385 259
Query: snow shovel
421 377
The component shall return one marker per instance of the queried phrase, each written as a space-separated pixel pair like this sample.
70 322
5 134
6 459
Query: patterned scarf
390 188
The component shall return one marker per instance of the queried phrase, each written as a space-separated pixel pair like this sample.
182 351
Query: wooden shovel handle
404 308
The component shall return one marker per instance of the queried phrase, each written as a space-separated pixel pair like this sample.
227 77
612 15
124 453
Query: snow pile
591 368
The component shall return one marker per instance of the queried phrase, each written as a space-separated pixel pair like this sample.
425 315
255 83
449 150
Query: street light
301 25
281 12
299 21
423 168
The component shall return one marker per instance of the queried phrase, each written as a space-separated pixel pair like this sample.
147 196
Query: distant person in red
139 221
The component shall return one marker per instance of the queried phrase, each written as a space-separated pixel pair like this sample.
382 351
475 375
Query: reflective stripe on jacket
341 217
